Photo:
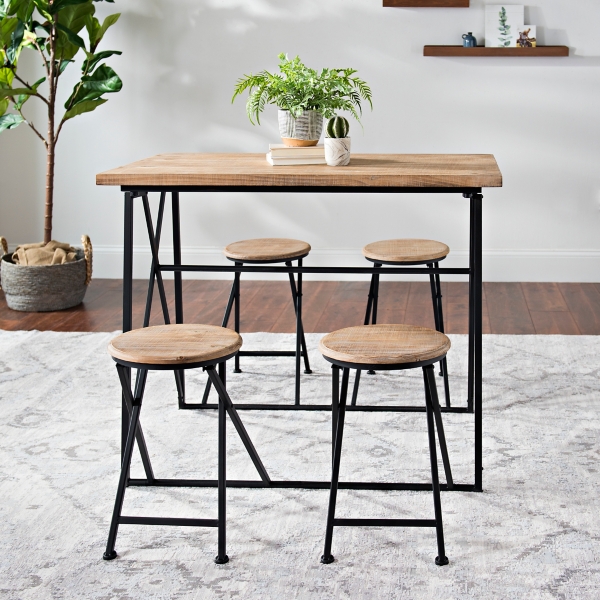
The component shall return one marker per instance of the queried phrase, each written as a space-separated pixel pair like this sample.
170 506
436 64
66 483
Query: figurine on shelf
469 40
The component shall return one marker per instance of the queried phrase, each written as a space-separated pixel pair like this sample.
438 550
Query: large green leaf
7 27
96 31
102 80
10 121
3 106
5 92
90 63
108 22
71 36
93 28
43 7
6 77
59 5
74 17
67 44
83 107
16 39
25 10
9 7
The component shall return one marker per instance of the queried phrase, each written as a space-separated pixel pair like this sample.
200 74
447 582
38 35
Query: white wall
181 58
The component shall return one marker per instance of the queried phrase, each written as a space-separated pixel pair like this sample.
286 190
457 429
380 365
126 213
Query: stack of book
281 155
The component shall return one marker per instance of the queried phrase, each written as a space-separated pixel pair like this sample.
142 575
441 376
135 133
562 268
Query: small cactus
338 127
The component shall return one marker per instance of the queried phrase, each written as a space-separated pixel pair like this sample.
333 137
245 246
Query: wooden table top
367 170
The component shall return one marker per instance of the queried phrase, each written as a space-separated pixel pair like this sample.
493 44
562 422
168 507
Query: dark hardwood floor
511 308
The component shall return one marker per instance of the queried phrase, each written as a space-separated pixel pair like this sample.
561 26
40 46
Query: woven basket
47 287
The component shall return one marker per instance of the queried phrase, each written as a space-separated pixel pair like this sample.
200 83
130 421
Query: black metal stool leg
441 559
335 472
224 323
237 423
335 404
375 295
222 557
110 552
237 314
370 301
432 396
374 313
299 336
355 388
436 298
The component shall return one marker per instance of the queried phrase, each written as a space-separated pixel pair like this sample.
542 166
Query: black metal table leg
178 287
476 200
127 298
155 271
307 369
471 351
236 283
154 267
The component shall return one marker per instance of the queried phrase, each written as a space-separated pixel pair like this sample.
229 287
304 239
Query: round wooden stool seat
266 250
384 344
175 344
406 251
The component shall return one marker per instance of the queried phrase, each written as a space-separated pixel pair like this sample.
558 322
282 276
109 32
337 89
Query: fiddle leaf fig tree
55 29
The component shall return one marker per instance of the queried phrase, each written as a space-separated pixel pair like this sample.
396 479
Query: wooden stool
407 252
269 251
172 348
390 348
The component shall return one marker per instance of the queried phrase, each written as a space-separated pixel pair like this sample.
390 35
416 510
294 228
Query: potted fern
303 97
53 29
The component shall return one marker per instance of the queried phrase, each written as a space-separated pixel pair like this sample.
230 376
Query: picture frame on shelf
502 24
527 37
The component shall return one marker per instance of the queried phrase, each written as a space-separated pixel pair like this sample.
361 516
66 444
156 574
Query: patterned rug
533 533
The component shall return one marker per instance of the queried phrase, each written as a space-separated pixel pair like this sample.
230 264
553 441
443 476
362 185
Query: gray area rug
534 532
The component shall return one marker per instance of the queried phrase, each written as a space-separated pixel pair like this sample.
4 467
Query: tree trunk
49 192
51 137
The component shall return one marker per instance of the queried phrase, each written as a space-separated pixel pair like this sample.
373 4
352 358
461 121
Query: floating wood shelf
427 3
483 51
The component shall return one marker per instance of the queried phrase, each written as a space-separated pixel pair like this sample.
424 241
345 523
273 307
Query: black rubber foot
371 372
237 370
440 374
307 371
327 560
109 556
440 562
221 561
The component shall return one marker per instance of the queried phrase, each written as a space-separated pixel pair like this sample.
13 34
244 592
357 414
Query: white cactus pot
337 151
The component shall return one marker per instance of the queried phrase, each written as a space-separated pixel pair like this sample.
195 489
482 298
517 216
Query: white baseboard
498 265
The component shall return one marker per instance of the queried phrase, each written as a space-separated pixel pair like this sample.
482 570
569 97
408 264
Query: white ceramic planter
303 131
337 151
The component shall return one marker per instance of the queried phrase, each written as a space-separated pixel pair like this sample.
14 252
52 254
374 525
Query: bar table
464 174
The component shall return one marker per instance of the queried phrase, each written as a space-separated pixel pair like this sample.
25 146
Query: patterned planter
303 131
337 151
